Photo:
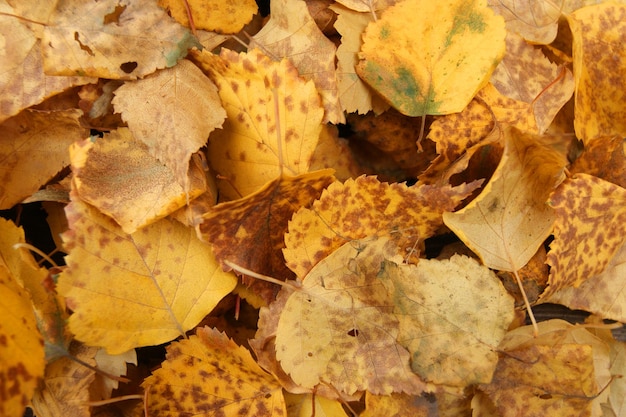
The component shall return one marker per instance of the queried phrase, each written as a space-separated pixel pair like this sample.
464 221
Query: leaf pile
329 210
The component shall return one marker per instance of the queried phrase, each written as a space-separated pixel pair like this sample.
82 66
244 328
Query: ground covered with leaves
326 208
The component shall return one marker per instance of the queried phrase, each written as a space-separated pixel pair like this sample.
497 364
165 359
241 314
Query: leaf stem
250 273
36 250
527 303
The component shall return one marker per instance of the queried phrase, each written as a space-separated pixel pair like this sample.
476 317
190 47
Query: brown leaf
258 224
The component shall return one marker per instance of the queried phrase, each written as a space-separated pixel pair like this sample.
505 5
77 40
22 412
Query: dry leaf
273 125
214 15
600 102
172 112
258 222
140 289
118 175
367 207
305 405
26 165
292 33
107 39
465 41
589 211
453 314
339 329
509 220
534 20
209 375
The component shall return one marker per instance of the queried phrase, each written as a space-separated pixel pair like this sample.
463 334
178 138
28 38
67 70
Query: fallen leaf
605 158
509 220
465 41
453 314
21 346
369 6
526 75
214 15
603 293
273 120
107 39
599 102
562 369
172 112
354 94
258 222
118 175
136 290
339 329
367 207
291 32
535 20
64 390
306 405
26 165
208 374
599 214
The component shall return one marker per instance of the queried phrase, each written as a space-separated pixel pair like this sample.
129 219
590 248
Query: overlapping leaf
118 175
172 112
340 329
292 33
140 289
535 20
273 125
453 314
600 102
510 219
367 207
107 39
589 211
26 165
213 15
464 42
208 374
258 223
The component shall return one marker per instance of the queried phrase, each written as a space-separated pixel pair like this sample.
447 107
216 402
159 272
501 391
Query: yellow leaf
527 76
463 43
273 125
339 329
172 112
559 372
590 213
117 175
603 294
354 94
302 405
367 207
107 39
453 314
292 33
66 385
214 15
21 346
599 102
510 219
209 375
140 289
258 223
536 21
26 164
369 6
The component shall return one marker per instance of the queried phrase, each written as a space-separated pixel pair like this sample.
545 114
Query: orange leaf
209 375
213 15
